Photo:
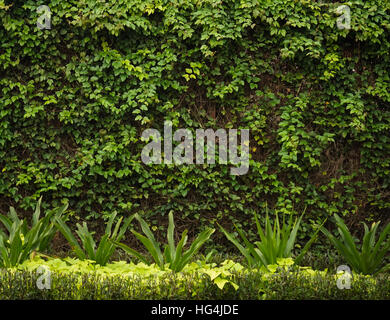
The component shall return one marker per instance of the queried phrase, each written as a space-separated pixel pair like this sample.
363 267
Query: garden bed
73 279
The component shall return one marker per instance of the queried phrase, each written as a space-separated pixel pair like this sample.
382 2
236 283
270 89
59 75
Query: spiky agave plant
88 249
18 240
277 240
175 256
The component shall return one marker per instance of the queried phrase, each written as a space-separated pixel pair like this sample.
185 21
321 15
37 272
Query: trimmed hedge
290 286
73 279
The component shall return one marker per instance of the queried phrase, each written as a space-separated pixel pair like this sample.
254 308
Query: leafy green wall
75 99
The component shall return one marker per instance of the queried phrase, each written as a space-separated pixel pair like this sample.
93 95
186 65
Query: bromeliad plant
102 252
369 259
172 255
276 241
19 240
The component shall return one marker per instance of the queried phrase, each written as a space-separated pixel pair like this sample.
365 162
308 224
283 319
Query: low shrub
73 279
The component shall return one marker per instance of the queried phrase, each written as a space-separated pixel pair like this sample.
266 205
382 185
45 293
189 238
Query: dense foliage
75 99
74 279
22 243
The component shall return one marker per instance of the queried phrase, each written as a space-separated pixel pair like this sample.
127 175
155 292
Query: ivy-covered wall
76 98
